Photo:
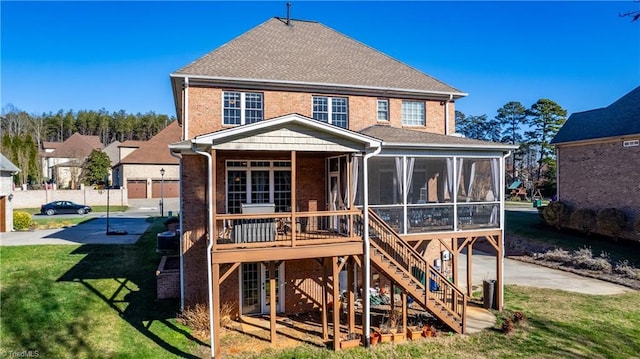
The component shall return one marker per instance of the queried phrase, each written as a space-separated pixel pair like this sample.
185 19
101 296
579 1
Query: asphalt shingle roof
156 150
77 146
6 165
618 119
310 53
397 135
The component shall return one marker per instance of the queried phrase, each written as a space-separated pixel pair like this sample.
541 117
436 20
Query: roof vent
288 14
631 143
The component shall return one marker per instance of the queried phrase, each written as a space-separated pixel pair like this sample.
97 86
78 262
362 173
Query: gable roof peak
310 54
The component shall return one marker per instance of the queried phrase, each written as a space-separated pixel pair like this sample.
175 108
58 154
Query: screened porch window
421 194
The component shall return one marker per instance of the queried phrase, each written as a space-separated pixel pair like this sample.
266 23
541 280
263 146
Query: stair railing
439 289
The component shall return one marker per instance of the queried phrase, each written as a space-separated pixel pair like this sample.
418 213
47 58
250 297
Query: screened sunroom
446 184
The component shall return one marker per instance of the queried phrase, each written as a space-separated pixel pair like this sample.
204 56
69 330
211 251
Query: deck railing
285 229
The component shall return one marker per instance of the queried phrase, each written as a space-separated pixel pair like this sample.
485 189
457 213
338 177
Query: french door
255 288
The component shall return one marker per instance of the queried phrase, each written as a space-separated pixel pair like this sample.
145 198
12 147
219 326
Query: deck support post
404 310
215 278
336 303
325 290
469 269
499 269
351 294
272 300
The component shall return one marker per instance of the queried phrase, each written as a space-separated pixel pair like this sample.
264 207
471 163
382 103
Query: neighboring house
113 152
140 169
64 164
124 149
7 170
312 164
599 156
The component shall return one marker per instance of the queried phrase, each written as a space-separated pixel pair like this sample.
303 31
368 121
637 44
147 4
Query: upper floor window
413 113
240 108
333 110
383 110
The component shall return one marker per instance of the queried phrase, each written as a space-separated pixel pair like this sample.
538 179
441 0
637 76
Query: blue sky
118 55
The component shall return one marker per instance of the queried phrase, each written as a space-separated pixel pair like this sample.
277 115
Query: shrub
556 214
556 255
611 221
624 268
584 220
583 258
21 220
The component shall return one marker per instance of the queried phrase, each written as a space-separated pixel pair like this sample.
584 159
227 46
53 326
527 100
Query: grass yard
91 301
98 301
52 222
559 325
529 225
93 208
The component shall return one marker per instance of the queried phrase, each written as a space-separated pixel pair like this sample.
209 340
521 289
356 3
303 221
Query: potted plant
351 340
400 335
386 335
427 331
414 332
374 338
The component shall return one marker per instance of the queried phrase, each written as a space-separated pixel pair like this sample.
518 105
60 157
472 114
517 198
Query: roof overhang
345 139
454 147
587 141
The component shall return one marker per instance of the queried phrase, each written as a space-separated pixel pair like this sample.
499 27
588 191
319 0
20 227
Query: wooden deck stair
394 257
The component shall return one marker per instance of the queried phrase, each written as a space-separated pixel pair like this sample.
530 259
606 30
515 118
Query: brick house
598 155
64 164
140 164
312 164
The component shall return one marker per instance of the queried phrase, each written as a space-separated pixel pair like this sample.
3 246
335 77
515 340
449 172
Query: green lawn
559 325
97 301
529 225
91 301
93 208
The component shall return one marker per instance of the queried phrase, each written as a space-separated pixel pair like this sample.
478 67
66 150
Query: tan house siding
600 175
205 111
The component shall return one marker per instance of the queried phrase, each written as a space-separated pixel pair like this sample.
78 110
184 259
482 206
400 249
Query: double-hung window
240 108
333 110
383 110
413 113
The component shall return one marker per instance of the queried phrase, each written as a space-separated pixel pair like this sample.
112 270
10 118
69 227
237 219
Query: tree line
23 134
531 128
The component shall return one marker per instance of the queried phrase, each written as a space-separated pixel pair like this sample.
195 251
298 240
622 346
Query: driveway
531 275
90 232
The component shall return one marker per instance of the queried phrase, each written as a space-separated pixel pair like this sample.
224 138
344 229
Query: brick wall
194 222
205 112
167 280
600 175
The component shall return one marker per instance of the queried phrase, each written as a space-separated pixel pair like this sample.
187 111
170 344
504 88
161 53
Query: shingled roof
77 146
156 150
312 54
621 118
394 136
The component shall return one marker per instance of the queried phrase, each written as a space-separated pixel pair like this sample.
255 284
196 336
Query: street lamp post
162 192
